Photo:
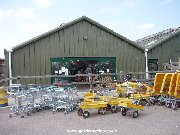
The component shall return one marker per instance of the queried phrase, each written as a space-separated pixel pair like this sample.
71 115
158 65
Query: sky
21 20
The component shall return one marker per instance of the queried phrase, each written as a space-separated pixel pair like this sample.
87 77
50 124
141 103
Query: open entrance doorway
81 65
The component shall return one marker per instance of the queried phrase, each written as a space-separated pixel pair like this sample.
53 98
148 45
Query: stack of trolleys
176 93
47 96
59 100
33 99
18 93
158 82
171 100
164 89
71 98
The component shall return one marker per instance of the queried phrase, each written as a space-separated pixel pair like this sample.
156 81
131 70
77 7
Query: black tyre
80 112
74 108
58 110
124 112
17 113
86 114
103 112
120 95
160 103
168 105
34 110
108 107
113 109
37 109
135 114
99 111
153 102
22 116
28 114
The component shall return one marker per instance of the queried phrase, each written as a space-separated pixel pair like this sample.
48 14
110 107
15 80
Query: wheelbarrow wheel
80 112
135 114
86 114
124 112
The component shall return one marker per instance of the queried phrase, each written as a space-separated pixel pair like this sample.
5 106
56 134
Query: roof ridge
73 22
45 33
164 39
157 35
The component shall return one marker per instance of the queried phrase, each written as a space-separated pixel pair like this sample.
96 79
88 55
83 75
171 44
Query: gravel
154 120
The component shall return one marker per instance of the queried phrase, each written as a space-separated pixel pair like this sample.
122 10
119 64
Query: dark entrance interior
81 65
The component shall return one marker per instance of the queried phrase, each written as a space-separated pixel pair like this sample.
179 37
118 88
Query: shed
82 41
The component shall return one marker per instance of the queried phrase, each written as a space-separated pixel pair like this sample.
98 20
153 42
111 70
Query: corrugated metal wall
2 70
6 72
34 58
166 51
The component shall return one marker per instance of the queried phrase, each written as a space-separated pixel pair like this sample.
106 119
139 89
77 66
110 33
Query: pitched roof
83 18
154 40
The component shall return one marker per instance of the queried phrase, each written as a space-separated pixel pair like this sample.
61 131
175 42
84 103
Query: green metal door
153 66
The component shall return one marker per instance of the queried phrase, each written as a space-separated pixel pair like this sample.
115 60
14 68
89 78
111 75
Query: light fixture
85 37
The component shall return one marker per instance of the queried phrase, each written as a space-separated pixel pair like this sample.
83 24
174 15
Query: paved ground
154 120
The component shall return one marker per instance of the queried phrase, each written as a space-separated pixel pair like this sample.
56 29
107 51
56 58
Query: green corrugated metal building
81 39
162 47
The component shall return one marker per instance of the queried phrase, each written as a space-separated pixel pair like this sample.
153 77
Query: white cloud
109 10
166 1
24 13
146 26
43 3
119 8
17 13
5 13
